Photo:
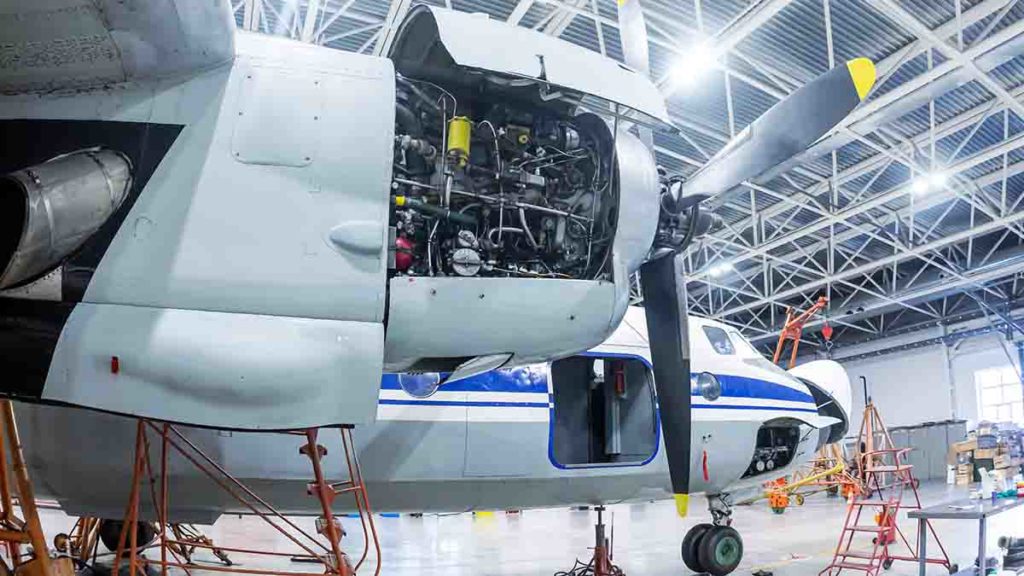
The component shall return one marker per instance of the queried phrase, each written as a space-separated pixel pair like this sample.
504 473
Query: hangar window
1000 395
719 340
603 412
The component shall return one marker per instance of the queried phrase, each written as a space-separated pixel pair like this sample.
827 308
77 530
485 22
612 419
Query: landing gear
691 545
721 550
110 533
716 548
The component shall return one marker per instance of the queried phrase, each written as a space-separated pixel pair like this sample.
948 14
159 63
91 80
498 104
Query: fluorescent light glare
693 65
928 183
719 270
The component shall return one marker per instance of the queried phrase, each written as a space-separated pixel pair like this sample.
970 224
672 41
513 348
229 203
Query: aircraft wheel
720 550
887 564
110 534
691 544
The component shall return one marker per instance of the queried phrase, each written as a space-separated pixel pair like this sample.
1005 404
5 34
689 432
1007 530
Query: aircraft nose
831 378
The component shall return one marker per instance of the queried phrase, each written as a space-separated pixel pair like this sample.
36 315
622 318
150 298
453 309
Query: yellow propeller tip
862 71
682 504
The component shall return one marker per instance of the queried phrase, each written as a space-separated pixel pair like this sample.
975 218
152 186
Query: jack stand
602 555
327 525
601 563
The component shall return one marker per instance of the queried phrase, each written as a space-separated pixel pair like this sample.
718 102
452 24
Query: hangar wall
923 384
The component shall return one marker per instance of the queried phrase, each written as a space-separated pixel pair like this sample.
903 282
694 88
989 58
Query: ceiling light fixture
928 183
719 270
693 65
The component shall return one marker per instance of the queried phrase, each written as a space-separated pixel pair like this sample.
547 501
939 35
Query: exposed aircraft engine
486 186
776 446
48 210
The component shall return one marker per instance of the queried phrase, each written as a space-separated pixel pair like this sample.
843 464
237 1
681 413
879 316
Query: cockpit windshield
719 340
749 354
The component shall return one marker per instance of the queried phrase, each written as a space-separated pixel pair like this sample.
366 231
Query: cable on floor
581 569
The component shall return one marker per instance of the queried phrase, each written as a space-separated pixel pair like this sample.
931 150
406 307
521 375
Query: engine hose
407 120
526 229
435 211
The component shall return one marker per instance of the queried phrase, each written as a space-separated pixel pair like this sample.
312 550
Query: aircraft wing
57 45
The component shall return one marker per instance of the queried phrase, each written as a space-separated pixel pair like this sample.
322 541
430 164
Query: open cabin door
604 412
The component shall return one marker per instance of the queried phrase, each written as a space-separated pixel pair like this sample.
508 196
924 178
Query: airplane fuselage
504 439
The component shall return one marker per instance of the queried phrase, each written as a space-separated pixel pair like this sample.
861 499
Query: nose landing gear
716 548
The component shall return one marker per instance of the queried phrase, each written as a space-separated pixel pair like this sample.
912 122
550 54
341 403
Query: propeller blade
636 50
786 129
633 35
664 291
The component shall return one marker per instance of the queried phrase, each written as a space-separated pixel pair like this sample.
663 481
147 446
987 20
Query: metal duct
49 210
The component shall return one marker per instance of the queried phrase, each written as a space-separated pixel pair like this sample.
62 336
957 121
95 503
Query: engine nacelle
48 210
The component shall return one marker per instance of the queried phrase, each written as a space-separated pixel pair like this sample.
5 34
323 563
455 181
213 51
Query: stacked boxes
962 454
991 448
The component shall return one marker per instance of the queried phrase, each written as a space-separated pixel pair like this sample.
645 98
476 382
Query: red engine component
403 253
619 371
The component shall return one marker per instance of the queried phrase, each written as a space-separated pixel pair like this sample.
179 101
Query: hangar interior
887 253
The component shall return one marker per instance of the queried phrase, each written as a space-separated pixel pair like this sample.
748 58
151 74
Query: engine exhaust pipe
49 210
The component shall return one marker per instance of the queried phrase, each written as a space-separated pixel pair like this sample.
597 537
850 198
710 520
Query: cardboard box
962 480
966 445
965 469
985 454
1002 461
1004 475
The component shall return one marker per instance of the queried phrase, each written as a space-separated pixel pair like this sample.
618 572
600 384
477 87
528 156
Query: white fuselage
483 443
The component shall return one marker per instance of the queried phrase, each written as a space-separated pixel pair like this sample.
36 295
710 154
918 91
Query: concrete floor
647 538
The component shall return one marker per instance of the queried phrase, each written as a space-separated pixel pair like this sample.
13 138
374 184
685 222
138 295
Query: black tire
887 563
691 544
721 551
954 568
110 534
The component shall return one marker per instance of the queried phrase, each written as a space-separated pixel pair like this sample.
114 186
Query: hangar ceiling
909 214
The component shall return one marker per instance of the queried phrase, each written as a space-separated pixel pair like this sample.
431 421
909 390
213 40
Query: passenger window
719 340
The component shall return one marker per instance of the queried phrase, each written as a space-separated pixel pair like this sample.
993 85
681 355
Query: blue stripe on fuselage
744 387
524 379
532 380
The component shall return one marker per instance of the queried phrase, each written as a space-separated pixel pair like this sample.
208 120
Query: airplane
244 232
581 430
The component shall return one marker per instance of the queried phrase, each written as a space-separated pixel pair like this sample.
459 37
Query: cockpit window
719 340
751 355
744 347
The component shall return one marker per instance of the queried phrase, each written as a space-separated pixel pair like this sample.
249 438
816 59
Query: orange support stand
176 546
15 532
794 327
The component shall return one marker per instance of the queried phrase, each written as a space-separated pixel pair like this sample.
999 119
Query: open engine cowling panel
498 174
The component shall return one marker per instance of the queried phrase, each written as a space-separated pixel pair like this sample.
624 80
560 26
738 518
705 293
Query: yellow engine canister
460 130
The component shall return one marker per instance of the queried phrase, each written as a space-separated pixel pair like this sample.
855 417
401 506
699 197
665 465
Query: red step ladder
889 488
